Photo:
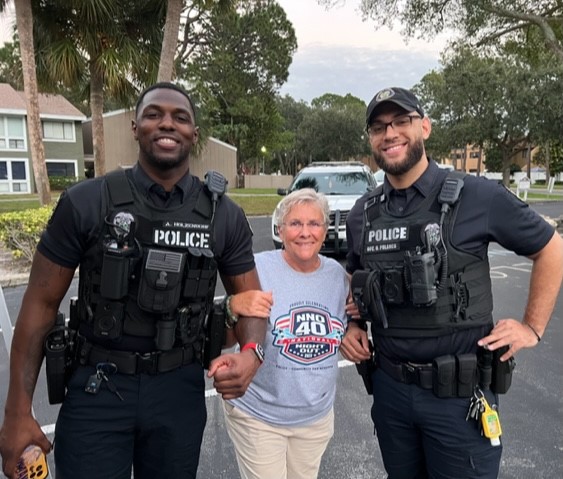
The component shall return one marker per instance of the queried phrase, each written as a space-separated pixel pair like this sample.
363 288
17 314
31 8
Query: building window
18 170
61 168
12 133
58 130
14 177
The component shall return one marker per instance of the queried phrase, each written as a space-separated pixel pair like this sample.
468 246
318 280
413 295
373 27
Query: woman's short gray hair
298 197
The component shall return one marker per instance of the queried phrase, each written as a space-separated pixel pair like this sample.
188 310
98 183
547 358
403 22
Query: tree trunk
480 161
529 161
464 159
547 162
97 107
170 40
24 22
506 169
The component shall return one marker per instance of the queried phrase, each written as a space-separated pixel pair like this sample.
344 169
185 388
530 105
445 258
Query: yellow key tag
32 464
491 424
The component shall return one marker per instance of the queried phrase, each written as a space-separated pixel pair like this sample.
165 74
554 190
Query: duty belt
137 363
408 373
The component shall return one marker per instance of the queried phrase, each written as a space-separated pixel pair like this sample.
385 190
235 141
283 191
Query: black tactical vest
426 286
148 281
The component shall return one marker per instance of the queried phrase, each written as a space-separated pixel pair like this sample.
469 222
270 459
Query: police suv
342 183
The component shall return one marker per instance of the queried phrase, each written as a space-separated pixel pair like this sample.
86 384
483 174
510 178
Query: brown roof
49 104
10 98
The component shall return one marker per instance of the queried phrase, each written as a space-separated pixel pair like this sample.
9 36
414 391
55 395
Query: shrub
20 230
60 183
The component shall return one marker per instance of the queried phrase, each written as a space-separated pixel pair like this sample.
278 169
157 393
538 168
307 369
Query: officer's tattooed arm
233 373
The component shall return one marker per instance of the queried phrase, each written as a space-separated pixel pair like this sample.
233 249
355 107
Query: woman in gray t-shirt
282 425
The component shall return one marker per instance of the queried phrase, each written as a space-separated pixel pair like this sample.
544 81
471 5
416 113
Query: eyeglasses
398 124
296 225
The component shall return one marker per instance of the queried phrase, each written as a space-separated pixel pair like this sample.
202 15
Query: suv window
343 183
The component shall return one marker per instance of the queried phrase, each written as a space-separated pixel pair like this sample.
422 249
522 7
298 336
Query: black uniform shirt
488 212
74 225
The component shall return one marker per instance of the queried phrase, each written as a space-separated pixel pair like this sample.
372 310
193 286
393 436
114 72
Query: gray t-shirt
296 384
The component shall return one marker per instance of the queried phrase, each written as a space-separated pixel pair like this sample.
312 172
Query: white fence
535 176
267 181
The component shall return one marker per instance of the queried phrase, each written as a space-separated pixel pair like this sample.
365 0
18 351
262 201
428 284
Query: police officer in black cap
420 277
150 242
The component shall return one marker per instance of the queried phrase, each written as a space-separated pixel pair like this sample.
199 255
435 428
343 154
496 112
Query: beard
163 164
414 154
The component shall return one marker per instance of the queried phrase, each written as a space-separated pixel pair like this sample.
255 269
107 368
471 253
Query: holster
214 334
58 359
502 372
365 369
366 292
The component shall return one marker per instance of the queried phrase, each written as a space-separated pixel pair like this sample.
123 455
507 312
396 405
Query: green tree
550 155
237 72
493 160
332 100
186 26
286 154
76 93
170 40
545 106
107 47
432 87
334 129
10 64
24 22
482 101
481 21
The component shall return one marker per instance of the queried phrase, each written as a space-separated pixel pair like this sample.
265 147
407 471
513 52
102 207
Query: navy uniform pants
156 430
422 436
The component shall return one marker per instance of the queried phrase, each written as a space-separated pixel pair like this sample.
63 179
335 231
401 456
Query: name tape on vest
386 239
181 238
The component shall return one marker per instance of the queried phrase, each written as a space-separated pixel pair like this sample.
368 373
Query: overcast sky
339 53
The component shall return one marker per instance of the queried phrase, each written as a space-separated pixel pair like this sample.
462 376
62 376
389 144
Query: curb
16 279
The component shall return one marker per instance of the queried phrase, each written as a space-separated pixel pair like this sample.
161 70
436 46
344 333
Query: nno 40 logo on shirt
308 334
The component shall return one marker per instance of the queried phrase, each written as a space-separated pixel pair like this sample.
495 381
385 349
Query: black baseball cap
400 96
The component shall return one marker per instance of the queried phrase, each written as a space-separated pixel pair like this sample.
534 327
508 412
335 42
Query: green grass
541 196
22 202
253 191
257 205
254 202
17 204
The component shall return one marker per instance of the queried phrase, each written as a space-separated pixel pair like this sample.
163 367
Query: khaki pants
274 452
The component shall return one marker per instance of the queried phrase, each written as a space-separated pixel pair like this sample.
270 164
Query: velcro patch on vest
384 239
182 235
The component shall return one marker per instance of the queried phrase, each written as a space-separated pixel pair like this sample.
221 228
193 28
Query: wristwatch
257 348
231 319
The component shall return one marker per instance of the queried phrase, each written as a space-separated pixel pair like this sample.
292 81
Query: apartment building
61 124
